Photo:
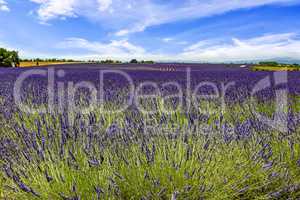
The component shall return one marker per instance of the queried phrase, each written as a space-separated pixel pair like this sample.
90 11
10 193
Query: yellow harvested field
272 68
34 64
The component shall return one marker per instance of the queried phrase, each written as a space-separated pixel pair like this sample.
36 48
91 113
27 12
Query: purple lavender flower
298 163
268 165
175 195
48 177
94 163
26 188
99 191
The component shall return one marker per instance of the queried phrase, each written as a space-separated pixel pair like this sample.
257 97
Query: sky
160 30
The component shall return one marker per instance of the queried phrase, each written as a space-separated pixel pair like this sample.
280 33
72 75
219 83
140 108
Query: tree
9 58
269 63
15 60
149 62
134 61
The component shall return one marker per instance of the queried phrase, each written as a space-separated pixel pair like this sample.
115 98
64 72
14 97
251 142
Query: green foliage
147 62
9 58
134 61
269 63
109 61
296 65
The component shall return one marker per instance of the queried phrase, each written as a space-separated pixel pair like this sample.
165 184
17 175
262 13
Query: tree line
109 61
135 61
48 60
12 59
276 64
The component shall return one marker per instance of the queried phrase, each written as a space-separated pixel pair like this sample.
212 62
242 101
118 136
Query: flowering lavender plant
202 147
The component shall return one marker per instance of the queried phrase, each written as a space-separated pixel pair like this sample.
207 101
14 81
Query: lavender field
163 131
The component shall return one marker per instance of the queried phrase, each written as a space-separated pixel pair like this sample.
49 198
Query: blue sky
174 30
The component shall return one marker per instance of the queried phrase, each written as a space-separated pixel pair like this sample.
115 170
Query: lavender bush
202 152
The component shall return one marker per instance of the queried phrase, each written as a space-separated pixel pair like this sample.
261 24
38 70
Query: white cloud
260 48
39 1
270 46
104 4
151 14
134 29
3 6
199 45
130 16
168 39
122 32
114 48
51 9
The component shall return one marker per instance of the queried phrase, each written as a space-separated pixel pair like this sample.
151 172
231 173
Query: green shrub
9 58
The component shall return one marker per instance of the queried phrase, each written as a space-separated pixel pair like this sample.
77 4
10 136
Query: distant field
170 67
275 68
32 64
